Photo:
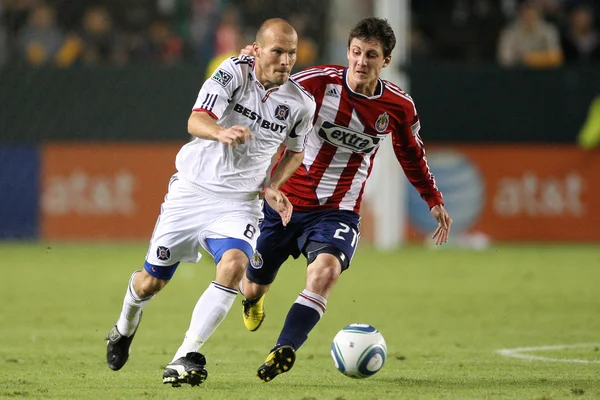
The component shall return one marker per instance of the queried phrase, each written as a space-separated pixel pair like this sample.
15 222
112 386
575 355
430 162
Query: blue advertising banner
19 192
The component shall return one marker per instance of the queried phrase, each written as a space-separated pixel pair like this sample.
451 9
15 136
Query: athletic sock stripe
132 292
301 301
321 305
225 288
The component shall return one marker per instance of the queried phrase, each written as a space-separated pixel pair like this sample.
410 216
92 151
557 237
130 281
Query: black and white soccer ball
359 351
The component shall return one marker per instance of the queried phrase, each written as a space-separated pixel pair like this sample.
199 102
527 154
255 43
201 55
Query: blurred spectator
227 32
15 12
162 46
589 136
460 30
40 40
308 49
69 13
581 42
530 41
99 42
168 47
553 10
203 18
228 39
132 15
178 12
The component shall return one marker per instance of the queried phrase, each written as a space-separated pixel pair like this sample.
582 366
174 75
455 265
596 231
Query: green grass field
444 315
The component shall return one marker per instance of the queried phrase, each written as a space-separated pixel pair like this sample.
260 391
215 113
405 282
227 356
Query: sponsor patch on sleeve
222 77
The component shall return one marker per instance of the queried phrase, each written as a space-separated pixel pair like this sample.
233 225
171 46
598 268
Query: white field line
520 353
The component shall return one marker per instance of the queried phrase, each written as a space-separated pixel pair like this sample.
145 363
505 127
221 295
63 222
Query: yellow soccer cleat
254 313
280 360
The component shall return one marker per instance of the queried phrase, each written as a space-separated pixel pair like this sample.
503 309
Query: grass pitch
444 315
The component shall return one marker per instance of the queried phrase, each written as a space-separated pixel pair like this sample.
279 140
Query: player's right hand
280 203
247 51
235 135
444 223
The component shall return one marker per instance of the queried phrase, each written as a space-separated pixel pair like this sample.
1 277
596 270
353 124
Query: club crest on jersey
163 253
282 112
222 77
257 261
382 122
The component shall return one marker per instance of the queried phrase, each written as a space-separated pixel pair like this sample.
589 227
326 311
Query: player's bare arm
201 124
289 163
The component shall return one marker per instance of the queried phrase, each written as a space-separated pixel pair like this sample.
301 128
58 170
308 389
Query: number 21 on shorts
342 234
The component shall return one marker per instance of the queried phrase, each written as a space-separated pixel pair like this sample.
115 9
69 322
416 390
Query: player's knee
231 267
326 269
326 255
146 285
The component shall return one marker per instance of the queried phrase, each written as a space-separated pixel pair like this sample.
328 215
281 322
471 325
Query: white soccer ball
358 351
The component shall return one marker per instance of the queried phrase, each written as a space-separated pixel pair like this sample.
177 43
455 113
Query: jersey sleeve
311 80
410 152
296 137
217 91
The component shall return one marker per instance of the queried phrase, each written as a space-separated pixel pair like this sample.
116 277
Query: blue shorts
217 248
339 228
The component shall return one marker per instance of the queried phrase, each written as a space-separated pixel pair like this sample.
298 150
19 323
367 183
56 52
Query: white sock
312 300
132 308
211 309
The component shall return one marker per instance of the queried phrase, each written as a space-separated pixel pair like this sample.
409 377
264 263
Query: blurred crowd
511 33
160 32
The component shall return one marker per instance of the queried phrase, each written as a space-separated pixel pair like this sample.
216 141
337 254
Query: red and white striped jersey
348 129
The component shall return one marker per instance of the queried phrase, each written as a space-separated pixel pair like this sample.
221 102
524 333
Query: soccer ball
358 351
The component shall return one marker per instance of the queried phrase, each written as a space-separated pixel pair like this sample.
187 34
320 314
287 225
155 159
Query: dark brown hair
375 29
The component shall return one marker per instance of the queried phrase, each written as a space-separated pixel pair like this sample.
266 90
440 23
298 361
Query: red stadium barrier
511 193
538 193
525 192
103 191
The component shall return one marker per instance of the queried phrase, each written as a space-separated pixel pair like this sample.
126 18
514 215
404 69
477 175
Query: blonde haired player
244 112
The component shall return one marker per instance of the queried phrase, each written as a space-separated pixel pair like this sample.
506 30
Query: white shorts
189 216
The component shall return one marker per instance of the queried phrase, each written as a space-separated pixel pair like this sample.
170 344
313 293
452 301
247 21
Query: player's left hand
444 222
280 203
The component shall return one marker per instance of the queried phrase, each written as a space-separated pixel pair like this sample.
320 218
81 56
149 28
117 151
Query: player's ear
386 61
256 48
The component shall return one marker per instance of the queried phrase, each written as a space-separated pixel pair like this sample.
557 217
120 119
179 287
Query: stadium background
96 94
88 137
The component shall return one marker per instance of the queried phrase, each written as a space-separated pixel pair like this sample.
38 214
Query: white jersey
233 96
